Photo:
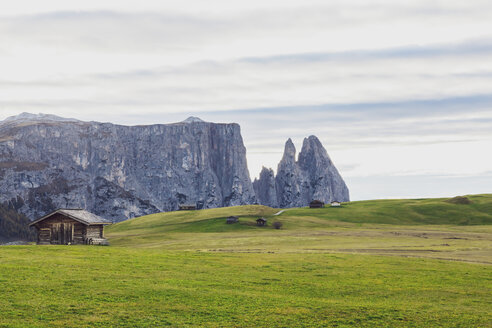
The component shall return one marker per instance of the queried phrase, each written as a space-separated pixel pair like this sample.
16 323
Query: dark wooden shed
316 204
261 222
70 226
232 219
187 207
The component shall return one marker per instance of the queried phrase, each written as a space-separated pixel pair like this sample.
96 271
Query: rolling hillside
438 211
435 228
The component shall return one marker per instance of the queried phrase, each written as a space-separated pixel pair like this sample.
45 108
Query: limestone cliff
119 172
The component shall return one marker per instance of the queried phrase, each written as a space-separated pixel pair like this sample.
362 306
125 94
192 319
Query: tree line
14 225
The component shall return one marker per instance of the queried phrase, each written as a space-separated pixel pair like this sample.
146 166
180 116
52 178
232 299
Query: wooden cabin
70 226
261 222
335 204
316 204
187 207
232 219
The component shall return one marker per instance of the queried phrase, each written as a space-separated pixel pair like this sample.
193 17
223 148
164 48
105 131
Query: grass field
394 263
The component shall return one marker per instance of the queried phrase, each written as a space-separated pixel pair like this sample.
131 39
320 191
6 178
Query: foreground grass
61 286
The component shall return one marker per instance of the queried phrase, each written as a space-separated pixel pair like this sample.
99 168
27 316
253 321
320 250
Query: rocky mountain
118 172
312 176
265 188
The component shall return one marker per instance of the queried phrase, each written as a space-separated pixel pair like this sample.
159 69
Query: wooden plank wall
94 232
60 229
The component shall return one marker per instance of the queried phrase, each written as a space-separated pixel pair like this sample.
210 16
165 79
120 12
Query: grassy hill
406 211
394 211
384 263
164 227
433 228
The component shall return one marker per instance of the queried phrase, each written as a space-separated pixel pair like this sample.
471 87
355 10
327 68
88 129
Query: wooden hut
187 207
70 226
316 204
261 222
232 219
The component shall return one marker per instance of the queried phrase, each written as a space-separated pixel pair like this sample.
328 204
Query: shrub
459 200
277 224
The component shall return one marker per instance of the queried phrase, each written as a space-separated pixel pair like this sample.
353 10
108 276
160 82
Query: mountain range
119 172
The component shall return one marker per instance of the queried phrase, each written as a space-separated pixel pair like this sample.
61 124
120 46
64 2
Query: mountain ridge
119 171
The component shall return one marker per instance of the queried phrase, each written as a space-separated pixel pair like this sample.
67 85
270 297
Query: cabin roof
79 215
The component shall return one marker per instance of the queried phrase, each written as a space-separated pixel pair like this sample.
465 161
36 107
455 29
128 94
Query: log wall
62 230
94 232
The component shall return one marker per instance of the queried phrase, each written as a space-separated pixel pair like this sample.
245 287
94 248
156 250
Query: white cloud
403 80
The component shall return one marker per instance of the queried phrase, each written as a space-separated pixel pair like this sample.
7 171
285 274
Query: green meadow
383 263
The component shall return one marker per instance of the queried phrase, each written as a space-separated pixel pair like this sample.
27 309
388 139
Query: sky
398 92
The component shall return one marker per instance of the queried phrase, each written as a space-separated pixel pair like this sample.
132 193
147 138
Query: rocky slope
118 172
265 188
312 176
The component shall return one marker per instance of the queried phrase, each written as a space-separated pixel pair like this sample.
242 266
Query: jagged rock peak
193 119
40 117
312 141
289 150
313 150
312 176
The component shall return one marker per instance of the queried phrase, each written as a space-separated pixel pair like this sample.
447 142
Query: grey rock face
323 179
119 172
265 188
288 179
313 176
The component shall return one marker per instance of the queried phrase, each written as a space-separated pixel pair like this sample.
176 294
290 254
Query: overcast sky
399 92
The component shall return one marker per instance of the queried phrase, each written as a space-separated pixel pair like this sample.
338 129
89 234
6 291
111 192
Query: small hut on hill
316 204
187 207
70 226
335 204
261 222
232 219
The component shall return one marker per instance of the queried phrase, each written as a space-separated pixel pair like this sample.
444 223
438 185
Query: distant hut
316 204
200 204
232 219
70 226
187 207
335 204
261 222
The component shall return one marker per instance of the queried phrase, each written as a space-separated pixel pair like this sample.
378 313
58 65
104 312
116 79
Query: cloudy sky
399 92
